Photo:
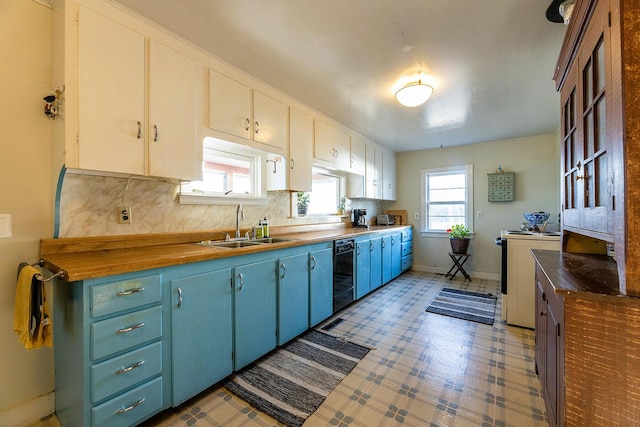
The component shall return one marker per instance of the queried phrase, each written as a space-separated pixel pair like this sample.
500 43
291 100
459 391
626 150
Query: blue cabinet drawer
407 262
122 295
122 332
407 248
114 375
407 235
131 407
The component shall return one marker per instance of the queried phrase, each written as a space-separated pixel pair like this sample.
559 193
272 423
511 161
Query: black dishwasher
343 273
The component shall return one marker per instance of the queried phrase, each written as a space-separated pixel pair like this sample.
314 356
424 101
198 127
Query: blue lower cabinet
396 255
320 285
362 278
387 273
201 331
255 311
375 272
293 296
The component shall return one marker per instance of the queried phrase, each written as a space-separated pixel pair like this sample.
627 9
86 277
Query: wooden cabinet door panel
300 145
375 247
269 120
363 268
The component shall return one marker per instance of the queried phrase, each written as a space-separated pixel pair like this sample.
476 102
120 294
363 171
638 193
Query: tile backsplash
89 203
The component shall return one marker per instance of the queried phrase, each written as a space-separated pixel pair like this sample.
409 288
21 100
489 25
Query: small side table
458 262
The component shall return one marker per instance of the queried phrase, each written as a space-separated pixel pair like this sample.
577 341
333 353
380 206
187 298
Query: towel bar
41 278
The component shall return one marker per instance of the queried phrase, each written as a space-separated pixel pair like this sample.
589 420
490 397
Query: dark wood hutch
588 303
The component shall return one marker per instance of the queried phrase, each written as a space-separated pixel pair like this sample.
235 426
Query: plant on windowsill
303 203
459 238
341 205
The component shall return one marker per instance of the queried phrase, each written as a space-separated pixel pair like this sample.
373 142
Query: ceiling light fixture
414 94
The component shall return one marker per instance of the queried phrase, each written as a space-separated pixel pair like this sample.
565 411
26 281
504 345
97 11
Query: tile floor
426 369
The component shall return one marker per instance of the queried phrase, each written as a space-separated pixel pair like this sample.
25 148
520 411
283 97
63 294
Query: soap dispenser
265 227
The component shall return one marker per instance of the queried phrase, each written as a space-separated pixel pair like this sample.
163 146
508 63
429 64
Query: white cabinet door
172 113
388 176
300 141
373 189
269 120
110 96
358 155
332 145
229 105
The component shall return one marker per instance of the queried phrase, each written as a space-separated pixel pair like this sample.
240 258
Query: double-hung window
447 198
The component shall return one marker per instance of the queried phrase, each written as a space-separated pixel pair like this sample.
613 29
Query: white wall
25 173
536 162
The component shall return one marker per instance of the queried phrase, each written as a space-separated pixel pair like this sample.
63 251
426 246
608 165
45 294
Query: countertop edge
579 273
165 250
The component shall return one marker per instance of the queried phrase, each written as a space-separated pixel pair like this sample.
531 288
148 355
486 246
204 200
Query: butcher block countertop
90 257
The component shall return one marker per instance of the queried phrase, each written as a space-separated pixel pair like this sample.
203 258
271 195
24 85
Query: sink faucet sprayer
239 217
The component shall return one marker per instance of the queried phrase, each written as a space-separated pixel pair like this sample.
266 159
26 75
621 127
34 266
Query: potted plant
303 203
459 238
341 205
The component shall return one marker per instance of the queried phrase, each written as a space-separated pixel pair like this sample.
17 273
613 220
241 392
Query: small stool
458 262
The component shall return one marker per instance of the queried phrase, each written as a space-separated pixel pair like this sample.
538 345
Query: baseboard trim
473 274
29 412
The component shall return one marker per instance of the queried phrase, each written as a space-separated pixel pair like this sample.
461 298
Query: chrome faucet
239 217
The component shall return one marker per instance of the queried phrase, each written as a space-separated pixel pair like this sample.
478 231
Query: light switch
5 225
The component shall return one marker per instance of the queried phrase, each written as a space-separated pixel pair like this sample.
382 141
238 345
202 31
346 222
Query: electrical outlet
124 215
416 215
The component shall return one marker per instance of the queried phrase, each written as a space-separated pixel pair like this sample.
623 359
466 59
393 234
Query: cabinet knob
155 133
543 313
247 123
257 127
139 135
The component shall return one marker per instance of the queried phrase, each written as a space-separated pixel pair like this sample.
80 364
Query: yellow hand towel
32 332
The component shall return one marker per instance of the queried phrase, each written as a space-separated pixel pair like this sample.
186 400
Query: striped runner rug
290 383
466 305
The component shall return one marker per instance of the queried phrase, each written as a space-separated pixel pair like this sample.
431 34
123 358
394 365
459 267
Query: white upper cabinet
172 112
111 117
229 105
358 155
237 109
332 144
300 146
108 129
388 175
373 175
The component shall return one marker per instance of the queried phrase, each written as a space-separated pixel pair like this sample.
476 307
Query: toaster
384 219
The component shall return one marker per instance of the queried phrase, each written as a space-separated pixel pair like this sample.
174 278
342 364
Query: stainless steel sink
230 245
273 240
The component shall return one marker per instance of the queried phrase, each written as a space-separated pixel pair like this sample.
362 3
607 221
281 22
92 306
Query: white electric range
519 285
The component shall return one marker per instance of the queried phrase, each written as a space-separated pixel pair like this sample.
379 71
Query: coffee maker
359 218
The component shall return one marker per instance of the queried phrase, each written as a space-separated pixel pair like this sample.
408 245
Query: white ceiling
491 61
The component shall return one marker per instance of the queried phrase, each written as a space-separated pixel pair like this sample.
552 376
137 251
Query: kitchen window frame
467 170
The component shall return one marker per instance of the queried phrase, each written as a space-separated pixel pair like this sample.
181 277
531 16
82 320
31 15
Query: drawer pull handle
130 328
313 263
134 406
179 297
130 367
129 292
284 270
241 277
